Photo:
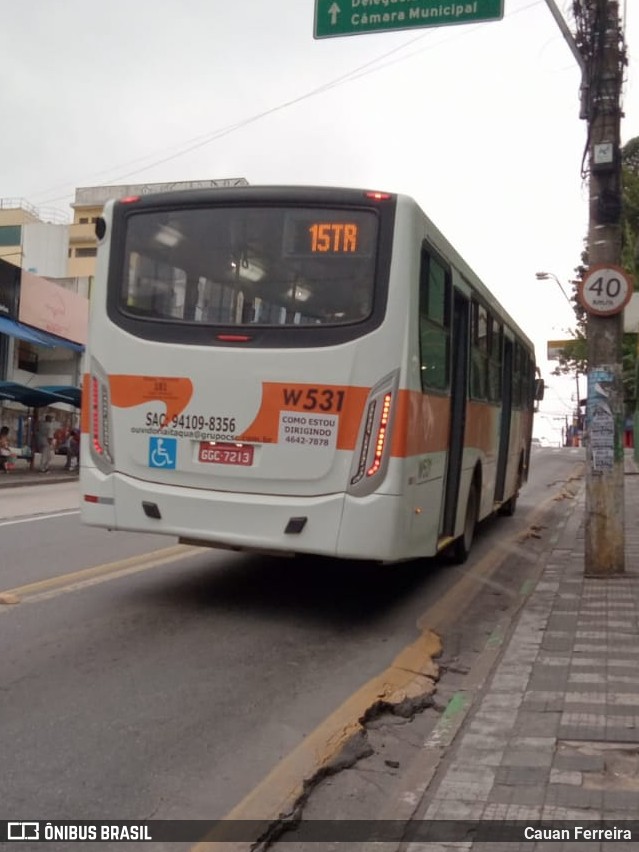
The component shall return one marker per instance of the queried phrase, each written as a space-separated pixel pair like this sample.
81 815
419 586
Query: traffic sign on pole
605 290
352 17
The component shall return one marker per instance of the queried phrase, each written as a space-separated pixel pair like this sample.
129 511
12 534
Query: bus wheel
461 546
508 508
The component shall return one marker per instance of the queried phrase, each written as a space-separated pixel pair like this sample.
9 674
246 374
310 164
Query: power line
211 136
361 71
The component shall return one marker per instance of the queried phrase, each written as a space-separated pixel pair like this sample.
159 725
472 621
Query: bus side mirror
539 389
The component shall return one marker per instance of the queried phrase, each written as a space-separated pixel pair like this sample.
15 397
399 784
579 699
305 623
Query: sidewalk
554 732
23 476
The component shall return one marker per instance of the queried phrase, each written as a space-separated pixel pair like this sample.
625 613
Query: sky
478 122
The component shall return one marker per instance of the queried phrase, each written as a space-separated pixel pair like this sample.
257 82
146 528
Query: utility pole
601 42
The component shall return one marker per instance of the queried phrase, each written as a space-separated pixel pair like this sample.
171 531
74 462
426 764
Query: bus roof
336 195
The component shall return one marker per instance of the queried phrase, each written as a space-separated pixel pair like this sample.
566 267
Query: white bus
298 370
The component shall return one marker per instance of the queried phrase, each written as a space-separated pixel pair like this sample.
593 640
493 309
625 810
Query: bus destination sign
352 17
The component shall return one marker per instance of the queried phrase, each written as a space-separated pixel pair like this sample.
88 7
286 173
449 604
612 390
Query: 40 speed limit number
605 291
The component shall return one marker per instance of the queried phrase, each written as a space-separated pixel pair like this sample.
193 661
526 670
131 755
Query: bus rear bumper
330 525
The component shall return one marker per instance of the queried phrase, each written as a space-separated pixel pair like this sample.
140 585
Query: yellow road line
406 676
278 792
412 672
53 586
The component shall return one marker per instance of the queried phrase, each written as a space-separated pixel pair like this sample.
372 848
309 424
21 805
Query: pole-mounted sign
605 291
352 17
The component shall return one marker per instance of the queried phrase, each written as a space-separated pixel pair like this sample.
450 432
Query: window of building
86 252
84 220
10 235
27 357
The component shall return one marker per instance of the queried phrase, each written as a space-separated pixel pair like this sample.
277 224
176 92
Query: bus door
459 391
504 428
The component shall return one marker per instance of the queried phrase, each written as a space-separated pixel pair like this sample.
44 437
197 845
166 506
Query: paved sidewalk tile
23 475
555 735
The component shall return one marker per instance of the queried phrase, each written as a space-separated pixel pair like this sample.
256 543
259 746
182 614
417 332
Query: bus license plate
226 453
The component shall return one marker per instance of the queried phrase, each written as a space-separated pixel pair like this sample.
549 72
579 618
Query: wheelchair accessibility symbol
163 452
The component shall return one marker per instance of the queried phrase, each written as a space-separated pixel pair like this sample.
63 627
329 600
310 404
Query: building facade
43 320
89 203
46 268
15 213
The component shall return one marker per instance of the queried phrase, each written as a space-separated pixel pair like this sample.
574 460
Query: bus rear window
248 266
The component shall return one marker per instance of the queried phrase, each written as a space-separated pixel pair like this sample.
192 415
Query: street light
546 276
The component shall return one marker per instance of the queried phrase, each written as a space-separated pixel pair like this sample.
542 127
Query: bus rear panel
282 369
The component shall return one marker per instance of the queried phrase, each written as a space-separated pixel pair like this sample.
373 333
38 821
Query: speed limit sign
606 290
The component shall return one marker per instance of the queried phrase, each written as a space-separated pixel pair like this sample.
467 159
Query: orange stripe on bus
421 424
310 399
421 421
482 427
127 391
175 393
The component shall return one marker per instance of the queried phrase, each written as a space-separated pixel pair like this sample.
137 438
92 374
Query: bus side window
496 345
434 323
519 376
479 352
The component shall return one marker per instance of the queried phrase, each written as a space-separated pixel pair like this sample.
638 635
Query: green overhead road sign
351 17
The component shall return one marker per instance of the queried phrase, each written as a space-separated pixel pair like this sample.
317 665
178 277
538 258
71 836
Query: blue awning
40 397
68 393
23 332
36 335
52 340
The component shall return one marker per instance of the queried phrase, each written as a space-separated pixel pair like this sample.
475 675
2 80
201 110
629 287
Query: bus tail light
373 445
100 422
380 440
378 196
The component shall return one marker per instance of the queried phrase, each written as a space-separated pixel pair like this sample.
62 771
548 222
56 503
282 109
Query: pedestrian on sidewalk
73 451
45 443
7 459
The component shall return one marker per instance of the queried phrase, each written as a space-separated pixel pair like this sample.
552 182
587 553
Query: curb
11 480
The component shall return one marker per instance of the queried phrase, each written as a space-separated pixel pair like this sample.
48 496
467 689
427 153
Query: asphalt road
167 686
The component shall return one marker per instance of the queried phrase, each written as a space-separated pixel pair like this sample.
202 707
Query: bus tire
462 546
508 508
